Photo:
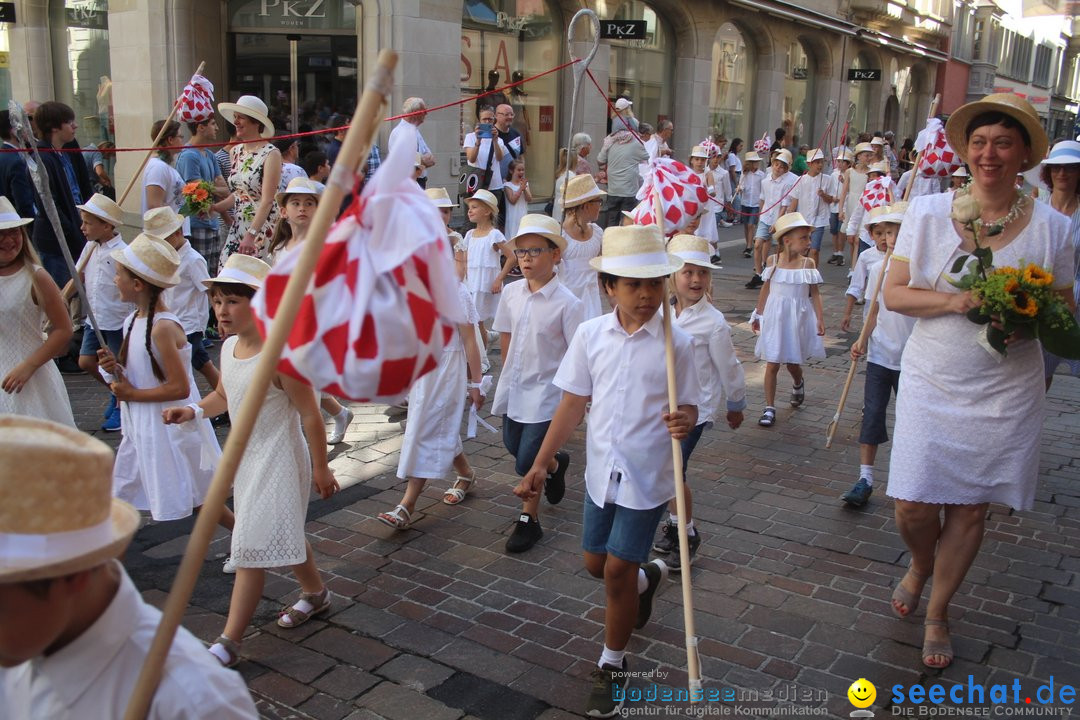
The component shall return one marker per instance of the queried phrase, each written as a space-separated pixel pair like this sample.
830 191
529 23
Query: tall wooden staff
161 133
354 149
580 68
693 660
873 305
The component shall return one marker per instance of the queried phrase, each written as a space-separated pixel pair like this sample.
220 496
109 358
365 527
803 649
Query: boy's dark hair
51 115
232 289
608 280
5 124
193 127
312 161
284 143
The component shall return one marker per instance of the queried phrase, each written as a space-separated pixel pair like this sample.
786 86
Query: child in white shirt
750 188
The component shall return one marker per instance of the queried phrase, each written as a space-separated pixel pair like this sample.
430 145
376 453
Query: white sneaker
726 224
227 567
341 424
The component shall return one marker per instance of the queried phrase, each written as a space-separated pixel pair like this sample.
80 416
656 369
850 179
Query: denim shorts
750 214
199 356
523 441
816 236
834 223
690 442
763 233
881 383
113 338
616 530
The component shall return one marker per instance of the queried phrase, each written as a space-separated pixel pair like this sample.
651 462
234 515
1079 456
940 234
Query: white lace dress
789 323
968 421
575 272
44 395
483 268
158 466
436 403
273 482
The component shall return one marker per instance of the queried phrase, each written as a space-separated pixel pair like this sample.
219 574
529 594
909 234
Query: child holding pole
616 360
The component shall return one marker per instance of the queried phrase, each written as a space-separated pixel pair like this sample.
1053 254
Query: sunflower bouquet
198 197
1013 298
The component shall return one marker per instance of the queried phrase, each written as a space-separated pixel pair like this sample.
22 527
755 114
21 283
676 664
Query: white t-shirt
482 159
163 175
109 310
288 172
751 187
812 207
775 196
188 300
733 161
892 330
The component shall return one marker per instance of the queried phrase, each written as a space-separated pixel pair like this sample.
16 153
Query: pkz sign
869 74
622 29
293 8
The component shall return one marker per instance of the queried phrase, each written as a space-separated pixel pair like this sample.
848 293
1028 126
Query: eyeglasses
531 252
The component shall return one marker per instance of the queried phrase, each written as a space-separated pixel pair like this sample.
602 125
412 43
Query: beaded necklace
996 227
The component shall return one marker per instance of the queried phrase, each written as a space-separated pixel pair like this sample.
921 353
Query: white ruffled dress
789 323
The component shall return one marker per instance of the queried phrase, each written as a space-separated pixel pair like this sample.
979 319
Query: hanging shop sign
860 74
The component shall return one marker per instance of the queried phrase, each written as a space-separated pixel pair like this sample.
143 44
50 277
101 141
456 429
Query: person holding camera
484 151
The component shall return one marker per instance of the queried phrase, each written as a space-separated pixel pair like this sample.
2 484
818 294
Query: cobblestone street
791 589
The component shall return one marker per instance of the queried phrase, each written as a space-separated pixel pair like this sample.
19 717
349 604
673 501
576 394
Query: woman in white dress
31 382
583 241
1061 173
968 420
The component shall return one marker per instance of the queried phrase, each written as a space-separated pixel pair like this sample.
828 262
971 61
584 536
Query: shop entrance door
303 79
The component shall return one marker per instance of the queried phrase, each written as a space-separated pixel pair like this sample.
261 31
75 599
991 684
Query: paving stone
346 682
395 702
486 699
355 650
414 672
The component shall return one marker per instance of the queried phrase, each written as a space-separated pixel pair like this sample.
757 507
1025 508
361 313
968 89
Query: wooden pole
693 660
353 150
138 173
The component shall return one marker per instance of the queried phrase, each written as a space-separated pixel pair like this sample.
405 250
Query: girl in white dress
31 381
161 469
518 196
699 158
583 241
789 313
483 248
273 481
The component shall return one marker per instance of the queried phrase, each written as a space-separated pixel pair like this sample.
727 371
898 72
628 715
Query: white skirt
433 430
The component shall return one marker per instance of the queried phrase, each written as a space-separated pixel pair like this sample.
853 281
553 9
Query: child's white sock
611 657
673 518
642 581
690 531
867 471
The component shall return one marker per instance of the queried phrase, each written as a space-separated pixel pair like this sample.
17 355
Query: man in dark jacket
69 187
14 177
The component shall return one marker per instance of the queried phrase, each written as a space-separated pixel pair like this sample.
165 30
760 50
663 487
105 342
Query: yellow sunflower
1035 275
1024 304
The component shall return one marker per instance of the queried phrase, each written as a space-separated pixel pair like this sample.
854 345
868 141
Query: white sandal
399 518
454 495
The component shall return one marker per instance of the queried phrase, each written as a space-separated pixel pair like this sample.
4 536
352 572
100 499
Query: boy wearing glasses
536 319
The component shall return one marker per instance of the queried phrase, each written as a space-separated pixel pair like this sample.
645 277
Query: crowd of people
571 299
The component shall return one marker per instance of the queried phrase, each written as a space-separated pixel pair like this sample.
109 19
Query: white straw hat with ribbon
699 151
692 249
57 513
879 167
241 270
249 106
103 208
1066 152
439 197
783 155
815 155
486 197
635 251
864 147
886 214
543 225
298 186
789 222
8 217
161 222
580 189
151 259
751 156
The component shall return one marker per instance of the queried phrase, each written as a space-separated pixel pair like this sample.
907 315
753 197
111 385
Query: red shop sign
547 118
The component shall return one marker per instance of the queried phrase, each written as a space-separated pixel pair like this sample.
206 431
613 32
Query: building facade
741 67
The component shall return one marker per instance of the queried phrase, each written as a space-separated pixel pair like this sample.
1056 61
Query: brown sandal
939 647
905 597
230 649
295 617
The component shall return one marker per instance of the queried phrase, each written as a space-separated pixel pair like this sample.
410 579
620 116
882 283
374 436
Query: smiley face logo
862 693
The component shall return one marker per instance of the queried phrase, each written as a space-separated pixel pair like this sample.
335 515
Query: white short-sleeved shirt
482 158
772 190
188 300
289 171
838 183
98 273
628 448
892 330
541 325
93 676
734 161
751 187
812 207
165 176
860 285
719 371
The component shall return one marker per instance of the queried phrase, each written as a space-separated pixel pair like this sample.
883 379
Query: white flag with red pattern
937 158
383 301
196 101
877 193
682 194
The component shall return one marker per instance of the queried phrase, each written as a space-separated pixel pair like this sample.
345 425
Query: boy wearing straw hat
617 360
776 199
100 219
888 333
76 631
815 193
188 298
844 159
750 185
537 319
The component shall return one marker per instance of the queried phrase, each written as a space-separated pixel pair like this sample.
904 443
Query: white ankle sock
642 581
673 518
867 471
690 531
611 657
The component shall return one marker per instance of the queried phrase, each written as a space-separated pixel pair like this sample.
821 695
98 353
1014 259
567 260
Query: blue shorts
750 214
881 383
834 223
199 356
816 236
523 441
616 530
763 233
690 442
113 338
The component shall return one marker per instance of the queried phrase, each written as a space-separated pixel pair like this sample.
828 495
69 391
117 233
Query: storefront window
732 71
799 96
5 68
859 96
503 41
81 73
641 69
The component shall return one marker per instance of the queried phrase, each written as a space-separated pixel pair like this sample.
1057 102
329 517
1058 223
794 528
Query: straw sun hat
789 222
886 214
57 513
699 151
815 155
751 156
542 225
151 259
635 251
880 167
439 197
1009 104
103 208
249 106
161 222
9 218
783 156
298 186
1066 152
241 270
692 249
580 189
485 197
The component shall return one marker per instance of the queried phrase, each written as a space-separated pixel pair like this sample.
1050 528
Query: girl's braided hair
155 293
